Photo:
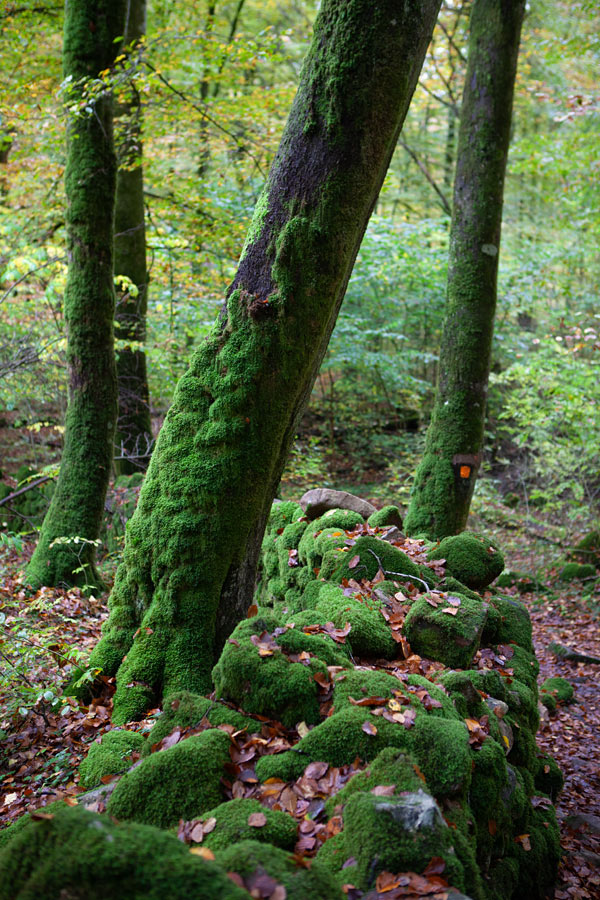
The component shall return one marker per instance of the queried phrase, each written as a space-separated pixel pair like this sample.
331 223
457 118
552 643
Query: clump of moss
389 515
523 582
588 548
549 778
184 710
373 554
450 637
233 825
110 756
390 767
471 558
577 571
261 678
454 586
310 550
442 750
538 858
557 688
180 782
301 883
77 853
398 834
512 625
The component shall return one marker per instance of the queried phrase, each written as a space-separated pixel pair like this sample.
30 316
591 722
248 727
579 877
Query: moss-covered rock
389 515
258 674
180 782
523 582
445 632
185 710
373 554
577 571
78 854
549 779
234 824
471 558
398 834
310 551
558 688
588 548
390 767
512 624
110 756
249 858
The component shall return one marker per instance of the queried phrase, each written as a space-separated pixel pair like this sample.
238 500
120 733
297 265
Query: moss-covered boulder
110 756
79 854
549 779
556 689
259 669
446 629
508 622
471 558
388 516
373 554
252 861
588 548
577 571
185 710
391 768
180 782
247 820
523 582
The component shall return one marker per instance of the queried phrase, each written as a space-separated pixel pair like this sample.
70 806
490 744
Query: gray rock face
414 812
318 501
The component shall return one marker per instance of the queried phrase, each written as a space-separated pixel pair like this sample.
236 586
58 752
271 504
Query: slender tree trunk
133 437
446 476
189 564
75 513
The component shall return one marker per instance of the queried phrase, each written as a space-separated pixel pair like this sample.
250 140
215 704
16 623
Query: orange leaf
369 728
252 611
204 852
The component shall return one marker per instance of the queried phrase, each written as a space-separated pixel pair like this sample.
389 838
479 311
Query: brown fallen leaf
369 728
257 820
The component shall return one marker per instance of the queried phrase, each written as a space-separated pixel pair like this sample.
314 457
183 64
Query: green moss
489 797
548 779
390 767
577 571
398 834
389 515
370 634
521 581
80 854
180 782
451 639
454 586
538 863
286 541
110 756
588 548
524 749
184 710
338 740
524 666
272 684
471 558
373 554
559 688
232 825
313 545
522 702
442 750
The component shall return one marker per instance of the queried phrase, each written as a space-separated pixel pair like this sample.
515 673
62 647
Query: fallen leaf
257 820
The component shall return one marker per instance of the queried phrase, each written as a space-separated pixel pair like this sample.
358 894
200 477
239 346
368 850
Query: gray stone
318 501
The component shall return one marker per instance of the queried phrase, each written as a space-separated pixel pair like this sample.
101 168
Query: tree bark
75 513
133 437
446 477
188 570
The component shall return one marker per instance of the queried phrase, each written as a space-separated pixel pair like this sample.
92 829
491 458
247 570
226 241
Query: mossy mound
388 516
79 854
110 756
373 554
242 820
180 782
392 768
185 710
251 858
471 558
523 582
557 689
257 670
588 548
449 630
577 571
508 622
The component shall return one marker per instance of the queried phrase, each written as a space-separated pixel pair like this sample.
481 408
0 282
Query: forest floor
43 736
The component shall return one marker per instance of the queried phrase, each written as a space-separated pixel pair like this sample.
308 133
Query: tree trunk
75 513
188 570
446 476
133 437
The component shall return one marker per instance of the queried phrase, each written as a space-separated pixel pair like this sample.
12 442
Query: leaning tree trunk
133 438
65 551
446 476
188 570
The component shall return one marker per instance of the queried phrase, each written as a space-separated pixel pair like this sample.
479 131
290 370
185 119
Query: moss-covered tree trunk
446 476
75 513
188 571
133 437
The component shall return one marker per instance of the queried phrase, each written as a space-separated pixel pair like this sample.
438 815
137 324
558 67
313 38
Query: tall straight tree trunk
446 476
73 520
133 437
189 563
